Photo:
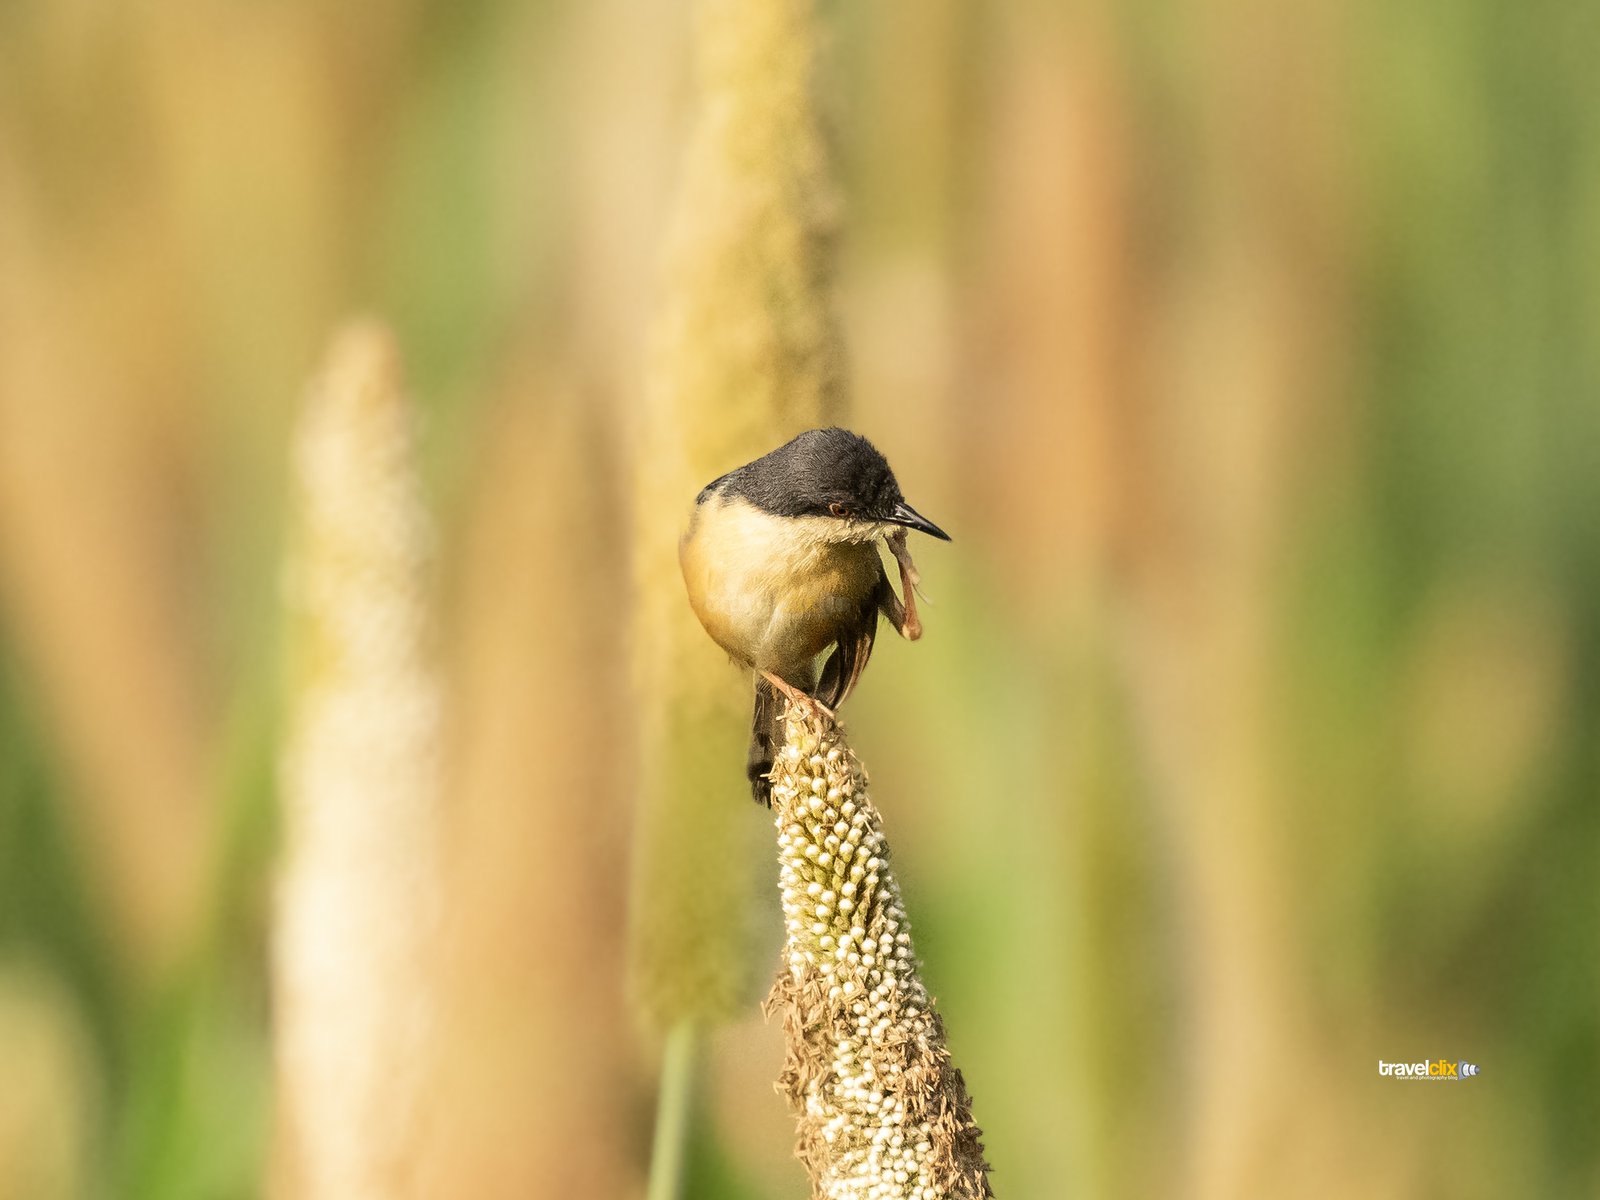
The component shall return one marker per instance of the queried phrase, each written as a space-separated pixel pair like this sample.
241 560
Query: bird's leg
903 616
798 698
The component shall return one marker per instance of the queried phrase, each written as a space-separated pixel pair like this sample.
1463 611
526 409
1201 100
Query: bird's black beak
904 514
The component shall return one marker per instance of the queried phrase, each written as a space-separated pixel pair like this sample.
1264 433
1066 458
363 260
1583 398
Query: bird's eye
840 509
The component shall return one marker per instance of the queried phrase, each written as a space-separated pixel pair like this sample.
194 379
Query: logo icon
1436 1069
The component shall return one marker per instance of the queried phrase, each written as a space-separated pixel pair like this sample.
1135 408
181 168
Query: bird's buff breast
772 591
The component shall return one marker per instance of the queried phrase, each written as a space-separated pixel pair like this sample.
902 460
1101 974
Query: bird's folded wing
842 671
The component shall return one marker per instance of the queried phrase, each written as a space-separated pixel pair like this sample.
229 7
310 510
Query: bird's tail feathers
766 735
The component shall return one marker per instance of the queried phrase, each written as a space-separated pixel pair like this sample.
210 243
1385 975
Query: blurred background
1249 352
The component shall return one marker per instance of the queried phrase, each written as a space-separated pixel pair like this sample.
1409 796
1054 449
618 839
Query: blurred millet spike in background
52 1096
358 904
540 812
101 540
1241 365
1048 313
745 354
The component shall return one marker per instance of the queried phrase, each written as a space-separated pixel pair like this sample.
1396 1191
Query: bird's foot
801 700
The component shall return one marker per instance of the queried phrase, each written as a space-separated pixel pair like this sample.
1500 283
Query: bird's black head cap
809 474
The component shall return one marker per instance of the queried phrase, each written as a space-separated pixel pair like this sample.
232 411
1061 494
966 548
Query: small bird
781 562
